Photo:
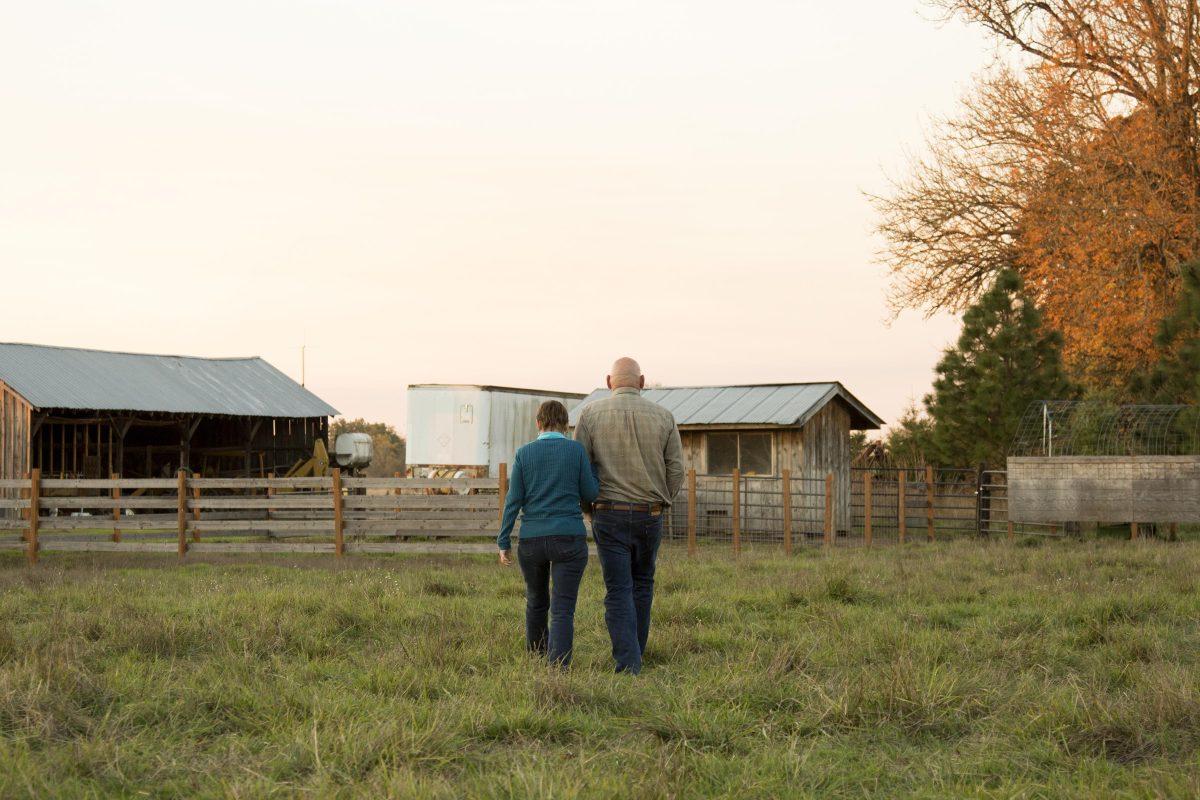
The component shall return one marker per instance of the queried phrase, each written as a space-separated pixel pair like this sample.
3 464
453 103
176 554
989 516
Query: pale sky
475 192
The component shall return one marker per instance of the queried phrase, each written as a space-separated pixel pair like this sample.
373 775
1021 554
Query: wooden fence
336 514
188 514
887 505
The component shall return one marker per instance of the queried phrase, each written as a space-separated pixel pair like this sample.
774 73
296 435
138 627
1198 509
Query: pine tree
1176 377
1005 358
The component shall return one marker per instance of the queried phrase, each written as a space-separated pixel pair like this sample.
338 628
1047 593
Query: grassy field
1061 669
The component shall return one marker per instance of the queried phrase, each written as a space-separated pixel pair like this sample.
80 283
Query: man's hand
505 558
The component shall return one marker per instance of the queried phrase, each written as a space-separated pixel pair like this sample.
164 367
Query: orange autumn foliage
1074 159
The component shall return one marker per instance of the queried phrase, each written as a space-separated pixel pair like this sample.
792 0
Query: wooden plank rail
107 483
312 501
263 483
169 503
457 484
489 502
105 524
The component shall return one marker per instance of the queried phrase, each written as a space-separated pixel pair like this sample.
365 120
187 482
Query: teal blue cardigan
549 478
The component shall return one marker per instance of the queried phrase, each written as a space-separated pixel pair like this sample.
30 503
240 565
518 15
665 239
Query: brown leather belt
644 508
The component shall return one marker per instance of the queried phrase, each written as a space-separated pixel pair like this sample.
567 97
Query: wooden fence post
1133 531
829 509
502 493
785 489
902 502
737 512
196 510
1010 530
931 498
35 496
867 507
270 494
339 542
116 496
396 492
181 491
24 495
691 518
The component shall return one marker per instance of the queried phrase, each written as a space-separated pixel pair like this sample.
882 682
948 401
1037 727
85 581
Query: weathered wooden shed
762 430
78 413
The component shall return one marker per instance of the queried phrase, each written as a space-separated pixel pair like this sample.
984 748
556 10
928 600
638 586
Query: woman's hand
505 558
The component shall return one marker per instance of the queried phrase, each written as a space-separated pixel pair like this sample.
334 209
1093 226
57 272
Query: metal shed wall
472 426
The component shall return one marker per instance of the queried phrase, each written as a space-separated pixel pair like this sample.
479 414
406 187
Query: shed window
750 453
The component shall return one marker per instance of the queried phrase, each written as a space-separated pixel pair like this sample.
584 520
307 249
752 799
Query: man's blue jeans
553 567
627 543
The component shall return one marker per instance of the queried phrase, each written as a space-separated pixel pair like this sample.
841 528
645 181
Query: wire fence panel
893 505
758 516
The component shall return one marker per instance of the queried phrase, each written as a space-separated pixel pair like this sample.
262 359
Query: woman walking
551 477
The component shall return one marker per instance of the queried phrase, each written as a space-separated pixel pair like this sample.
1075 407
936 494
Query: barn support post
252 427
901 503
339 542
867 507
187 429
181 512
691 513
737 512
785 488
930 500
829 509
35 496
185 446
116 496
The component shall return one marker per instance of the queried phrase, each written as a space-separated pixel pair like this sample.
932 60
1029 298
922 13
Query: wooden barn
764 429
77 413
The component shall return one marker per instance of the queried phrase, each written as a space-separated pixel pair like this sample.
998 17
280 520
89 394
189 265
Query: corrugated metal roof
507 389
64 377
771 404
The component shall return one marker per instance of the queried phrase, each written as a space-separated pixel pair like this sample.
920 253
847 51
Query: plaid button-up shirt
635 446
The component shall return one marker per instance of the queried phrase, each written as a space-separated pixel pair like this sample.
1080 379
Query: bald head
625 373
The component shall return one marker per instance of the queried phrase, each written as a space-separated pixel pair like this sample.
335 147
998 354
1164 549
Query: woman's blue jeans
553 568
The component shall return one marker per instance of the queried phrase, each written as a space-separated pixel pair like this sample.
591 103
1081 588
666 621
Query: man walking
635 447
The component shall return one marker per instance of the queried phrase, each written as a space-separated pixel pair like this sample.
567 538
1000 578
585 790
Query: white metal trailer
472 428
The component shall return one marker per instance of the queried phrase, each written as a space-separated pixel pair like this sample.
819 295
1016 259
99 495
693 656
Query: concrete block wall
1108 489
